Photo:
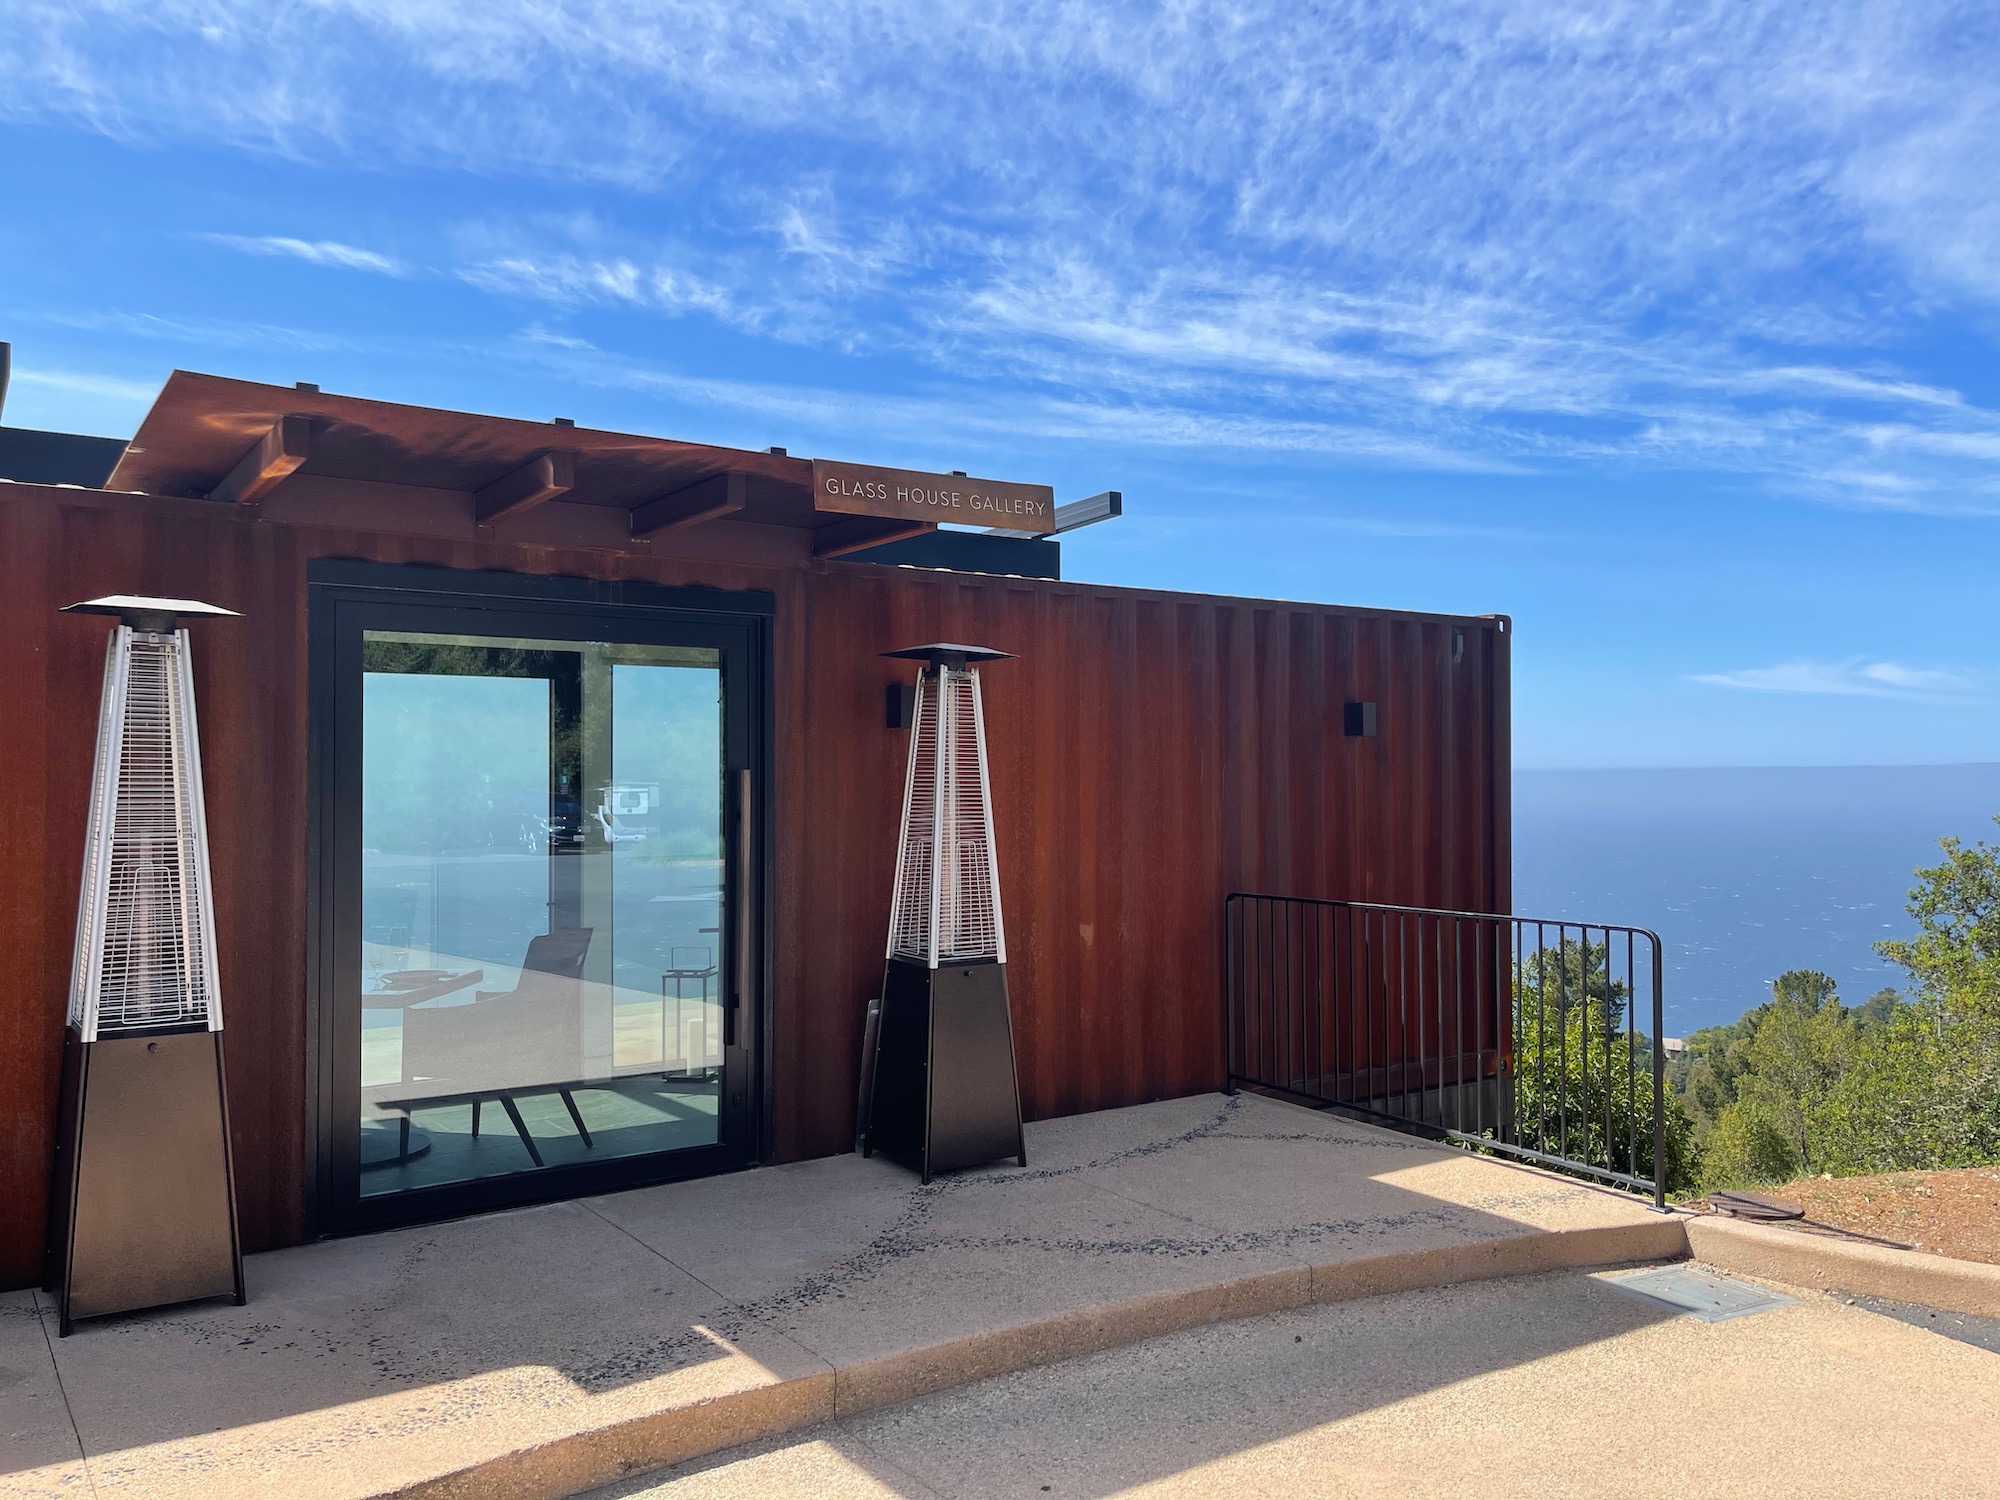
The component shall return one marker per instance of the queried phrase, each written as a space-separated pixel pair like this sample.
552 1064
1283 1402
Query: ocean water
1744 873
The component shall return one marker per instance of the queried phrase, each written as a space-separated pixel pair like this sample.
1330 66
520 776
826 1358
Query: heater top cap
146 614
945 654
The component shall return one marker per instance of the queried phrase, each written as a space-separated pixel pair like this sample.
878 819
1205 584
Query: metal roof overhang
238 442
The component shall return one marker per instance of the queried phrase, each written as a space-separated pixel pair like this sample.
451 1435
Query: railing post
1506 1015
1659 1087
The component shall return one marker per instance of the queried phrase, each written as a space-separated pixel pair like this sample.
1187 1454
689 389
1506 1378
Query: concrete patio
541 1352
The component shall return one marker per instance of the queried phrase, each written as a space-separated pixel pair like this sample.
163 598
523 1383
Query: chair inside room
525 1040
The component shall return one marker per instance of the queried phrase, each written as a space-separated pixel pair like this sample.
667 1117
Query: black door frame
344 599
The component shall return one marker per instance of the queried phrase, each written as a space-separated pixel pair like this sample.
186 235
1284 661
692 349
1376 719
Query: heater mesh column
939 1082
911 909
145 953
948 828
144 1208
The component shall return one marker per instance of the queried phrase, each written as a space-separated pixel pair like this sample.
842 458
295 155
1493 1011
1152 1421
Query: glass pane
541 904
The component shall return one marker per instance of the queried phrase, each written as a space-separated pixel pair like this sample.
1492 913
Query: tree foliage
1747 1148
1804 1083
1923 1091
1583 1079
1954 960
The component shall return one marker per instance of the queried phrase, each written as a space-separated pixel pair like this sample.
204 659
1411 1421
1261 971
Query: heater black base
946 1095
143 1208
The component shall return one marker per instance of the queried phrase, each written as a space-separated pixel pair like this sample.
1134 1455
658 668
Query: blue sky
1669 331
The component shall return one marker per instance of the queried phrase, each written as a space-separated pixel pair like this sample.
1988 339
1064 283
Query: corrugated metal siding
1150 752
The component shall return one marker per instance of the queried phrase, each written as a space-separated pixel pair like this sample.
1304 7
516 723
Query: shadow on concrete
785 1272
1115 1421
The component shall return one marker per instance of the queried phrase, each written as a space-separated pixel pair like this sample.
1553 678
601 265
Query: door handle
739 979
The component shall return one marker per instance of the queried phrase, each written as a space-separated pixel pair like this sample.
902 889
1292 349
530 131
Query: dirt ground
1945 1213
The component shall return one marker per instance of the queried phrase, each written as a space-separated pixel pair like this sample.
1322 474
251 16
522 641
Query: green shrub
1584 1086
1923 1092
1747 1148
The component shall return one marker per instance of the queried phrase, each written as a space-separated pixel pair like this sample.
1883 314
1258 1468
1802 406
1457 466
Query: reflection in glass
541 904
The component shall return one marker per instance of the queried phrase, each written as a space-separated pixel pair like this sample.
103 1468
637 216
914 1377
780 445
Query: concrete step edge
630 1446
1823 1263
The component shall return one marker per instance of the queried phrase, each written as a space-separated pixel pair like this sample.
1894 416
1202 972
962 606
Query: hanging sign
862 490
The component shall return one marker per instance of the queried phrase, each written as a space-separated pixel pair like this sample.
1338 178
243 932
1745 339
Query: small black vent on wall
1359 720
900 705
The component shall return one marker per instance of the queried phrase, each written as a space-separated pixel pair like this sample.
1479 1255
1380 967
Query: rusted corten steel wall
1150 752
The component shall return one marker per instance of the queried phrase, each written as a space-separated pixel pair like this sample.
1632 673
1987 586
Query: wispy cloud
1854 677
198 333
318 252
1425 380
927 417
572 279
84 383
1469 236
72 400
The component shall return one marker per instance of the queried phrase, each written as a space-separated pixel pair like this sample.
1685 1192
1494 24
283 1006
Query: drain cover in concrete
1699 1294
1759 1206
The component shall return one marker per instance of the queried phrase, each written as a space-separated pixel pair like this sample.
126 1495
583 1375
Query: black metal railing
1511 1034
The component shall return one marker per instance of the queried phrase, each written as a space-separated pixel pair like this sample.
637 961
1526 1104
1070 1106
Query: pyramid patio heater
143 1207
944 1092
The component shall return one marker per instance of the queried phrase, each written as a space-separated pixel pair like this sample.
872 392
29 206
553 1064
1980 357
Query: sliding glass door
541 876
